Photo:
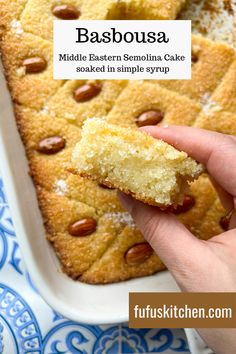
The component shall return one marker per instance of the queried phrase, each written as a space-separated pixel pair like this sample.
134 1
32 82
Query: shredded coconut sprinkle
20 71
121 218
45 111
16 26
60 187
209 106
69 116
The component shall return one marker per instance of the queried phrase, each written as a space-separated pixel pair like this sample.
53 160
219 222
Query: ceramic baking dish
94 304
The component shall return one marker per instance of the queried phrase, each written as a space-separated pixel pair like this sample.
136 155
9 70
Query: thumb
177 247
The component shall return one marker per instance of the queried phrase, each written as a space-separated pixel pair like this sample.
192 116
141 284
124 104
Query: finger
175 245
232 223
216 151
225 198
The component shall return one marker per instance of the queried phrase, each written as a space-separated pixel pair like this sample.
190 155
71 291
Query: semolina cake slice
79 236
128 256
214 222
10 12
84 99
144 103
218 120
48 166
134 162
28 63
224 96
210 62
196 203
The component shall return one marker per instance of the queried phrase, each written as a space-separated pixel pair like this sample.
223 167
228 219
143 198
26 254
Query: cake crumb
69 116
20 72
45 111
121 218
16 26
60 187
209 106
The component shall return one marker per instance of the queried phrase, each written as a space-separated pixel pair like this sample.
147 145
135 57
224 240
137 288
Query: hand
197 265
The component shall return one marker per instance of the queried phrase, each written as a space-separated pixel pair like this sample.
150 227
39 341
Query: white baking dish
94 304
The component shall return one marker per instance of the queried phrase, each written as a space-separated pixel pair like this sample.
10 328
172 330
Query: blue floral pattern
29 326
20 320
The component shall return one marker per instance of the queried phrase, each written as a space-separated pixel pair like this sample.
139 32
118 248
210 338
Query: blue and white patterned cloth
29 325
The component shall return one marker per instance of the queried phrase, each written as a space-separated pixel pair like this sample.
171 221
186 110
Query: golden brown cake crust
46 108
124 190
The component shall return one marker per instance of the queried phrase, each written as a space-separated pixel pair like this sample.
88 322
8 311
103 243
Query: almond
152 117
194 58
34 65
86 92
51 145
138 253
83 227
66 12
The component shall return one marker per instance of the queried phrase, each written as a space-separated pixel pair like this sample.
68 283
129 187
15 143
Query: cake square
35 126
36 10
144 96
74 228
210 224
220 121
50 171
77 110
10 12
225 95
117 264
29 88
63 183
210 62
203 196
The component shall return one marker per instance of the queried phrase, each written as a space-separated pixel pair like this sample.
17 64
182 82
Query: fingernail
126 201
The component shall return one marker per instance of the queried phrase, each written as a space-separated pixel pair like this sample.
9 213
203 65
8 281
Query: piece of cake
134 162
210 62
146 103
29 66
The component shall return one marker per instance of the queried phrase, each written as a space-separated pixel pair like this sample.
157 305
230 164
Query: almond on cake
132 161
